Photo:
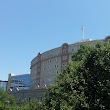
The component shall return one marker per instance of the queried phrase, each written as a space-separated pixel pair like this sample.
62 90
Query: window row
49 61
49 67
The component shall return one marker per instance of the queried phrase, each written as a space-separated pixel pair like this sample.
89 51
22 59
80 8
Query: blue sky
31 26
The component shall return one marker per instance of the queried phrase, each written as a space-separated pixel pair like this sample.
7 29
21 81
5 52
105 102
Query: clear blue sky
31 26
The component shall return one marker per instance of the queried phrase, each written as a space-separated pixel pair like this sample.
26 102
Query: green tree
65 94
24 105
84 83
6 101
96 74
34 104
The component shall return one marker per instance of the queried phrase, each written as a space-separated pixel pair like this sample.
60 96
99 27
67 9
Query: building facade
19 82
3 85
45 66
28 94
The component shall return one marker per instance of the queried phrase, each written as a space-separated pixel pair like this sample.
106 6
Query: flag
82 28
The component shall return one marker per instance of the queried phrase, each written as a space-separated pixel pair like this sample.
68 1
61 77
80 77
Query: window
64 57
65 51
43 63
56 66
73 50
56 59
49 67
49 61
63 64
29 99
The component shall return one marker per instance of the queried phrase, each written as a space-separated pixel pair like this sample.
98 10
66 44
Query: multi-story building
45 66
18 82
3 85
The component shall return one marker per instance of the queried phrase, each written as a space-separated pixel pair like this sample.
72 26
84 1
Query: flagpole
83 34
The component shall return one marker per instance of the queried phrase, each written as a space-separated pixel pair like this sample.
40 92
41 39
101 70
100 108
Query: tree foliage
34 104
84 83
96 75
6 101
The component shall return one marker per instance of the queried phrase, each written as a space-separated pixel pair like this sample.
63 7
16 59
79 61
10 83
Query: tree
84 83
34 104
65 94
96 73
6 101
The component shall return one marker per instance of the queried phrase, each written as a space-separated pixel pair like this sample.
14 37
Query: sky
28 27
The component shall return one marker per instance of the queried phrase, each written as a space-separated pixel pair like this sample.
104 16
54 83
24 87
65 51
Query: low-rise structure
28 94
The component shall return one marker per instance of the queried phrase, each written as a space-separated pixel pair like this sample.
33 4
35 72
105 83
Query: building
18 82
28 94
3 85
19 87
45 66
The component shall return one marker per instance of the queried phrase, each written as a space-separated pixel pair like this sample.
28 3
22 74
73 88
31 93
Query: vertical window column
38 70
65 55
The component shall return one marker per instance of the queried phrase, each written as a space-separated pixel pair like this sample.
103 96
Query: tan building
45 66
